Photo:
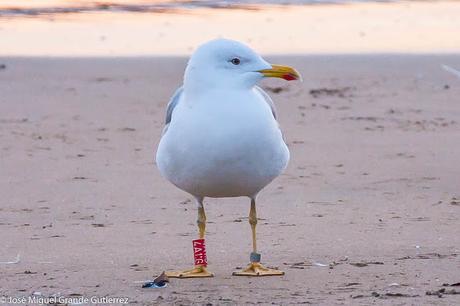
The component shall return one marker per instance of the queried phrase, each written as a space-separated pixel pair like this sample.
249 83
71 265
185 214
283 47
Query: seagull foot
198 271
256 269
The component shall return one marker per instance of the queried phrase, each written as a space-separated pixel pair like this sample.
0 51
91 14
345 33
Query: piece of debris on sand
276 90
455 201
429 256
442 291
365 263
342 92
385 295
159 282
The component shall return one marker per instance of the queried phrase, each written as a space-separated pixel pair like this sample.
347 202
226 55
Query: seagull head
223 63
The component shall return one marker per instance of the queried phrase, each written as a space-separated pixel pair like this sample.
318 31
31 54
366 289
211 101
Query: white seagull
221 138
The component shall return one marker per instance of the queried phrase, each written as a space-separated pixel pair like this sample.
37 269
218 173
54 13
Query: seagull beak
283 72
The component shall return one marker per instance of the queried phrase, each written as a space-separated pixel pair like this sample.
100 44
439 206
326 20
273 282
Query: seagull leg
255 268
199 270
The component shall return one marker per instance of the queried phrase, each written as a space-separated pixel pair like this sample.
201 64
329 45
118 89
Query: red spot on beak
289 77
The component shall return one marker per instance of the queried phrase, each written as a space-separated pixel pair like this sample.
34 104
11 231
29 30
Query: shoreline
43 9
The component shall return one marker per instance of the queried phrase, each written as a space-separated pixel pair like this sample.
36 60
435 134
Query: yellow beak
283 72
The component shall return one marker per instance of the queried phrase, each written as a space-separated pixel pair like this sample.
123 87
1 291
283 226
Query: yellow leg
255 268
198 270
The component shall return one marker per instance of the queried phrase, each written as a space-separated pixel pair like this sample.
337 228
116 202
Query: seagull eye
235 61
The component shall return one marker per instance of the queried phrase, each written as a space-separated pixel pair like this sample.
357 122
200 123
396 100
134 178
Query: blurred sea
9 8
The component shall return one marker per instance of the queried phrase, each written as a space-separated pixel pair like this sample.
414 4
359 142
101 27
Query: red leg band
199 252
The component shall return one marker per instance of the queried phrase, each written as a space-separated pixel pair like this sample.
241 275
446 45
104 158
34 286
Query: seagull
221 136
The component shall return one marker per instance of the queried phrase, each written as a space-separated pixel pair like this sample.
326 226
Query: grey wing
170 108
272 106
268 100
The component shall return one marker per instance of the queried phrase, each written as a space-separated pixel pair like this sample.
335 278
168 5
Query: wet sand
367 211
397 27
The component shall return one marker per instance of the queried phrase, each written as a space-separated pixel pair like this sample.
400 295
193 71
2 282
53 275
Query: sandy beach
366 213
